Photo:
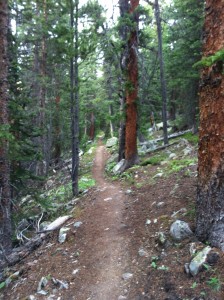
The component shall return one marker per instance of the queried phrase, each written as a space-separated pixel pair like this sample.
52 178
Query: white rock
148 222
108 199
118 168
77 224
42 283
31 297
127 276
187 151
90 151
180 230
63 234
111 142
158 175
172 156
75 272
42 292
198 261
142 253
160 204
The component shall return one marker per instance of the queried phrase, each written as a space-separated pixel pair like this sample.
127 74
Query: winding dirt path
106 239
94 256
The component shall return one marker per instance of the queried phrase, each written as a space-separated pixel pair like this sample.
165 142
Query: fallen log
161 147
20 253
174 135
55 224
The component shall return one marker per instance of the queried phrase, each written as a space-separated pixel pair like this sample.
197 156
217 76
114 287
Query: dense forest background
41 46
69 78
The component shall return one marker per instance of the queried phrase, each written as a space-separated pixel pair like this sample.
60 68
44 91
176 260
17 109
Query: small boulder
77 224
113 158
172 156
112 142
142 253
63 234
180 230
162 238
160 204
198 261
42 283
119 167
127 276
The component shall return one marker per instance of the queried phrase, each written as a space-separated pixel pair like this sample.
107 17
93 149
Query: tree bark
74 98
5 201
42 11
57 142
210 194
92 126
131 153
123 33
162 76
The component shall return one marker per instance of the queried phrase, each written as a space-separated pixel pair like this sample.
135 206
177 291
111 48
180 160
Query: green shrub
192 138
154 160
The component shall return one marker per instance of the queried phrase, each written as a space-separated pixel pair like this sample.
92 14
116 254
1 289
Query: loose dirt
114 239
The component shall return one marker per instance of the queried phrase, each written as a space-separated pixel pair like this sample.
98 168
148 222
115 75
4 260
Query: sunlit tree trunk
5 204
131 154
210 197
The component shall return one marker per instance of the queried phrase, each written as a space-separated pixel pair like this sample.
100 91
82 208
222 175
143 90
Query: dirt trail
106 238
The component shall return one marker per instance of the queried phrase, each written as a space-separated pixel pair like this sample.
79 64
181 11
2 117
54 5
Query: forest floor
115 253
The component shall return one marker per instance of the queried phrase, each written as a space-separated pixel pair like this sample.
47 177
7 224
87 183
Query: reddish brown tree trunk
131 154
210 198
5 204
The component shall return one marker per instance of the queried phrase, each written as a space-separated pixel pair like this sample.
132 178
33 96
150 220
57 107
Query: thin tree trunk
210 196
121 150
57 143
74 98
162 76
112 129
110 94
5 201
42 89
92 127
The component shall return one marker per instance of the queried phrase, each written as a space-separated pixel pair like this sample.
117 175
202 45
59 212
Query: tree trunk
5 207
210 195
92 127
123 33
121 150
57 142
74 98
131 154
162 76
110 95
42 9
112 129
